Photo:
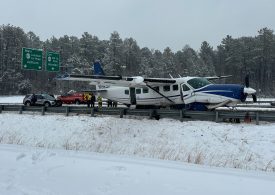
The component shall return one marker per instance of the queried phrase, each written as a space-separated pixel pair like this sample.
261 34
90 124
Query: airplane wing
136 81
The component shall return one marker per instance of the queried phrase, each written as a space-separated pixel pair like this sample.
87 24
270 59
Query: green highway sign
52 61
32 59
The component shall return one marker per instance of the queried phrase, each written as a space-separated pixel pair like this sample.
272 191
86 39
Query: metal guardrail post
182 111
21 110
92 112
43 110
217 117
121 113
257 118
67 110
151 114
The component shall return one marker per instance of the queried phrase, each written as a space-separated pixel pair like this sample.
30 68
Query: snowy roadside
12 99
245 146
32 171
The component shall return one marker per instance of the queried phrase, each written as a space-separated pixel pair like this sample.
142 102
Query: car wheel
28 103
58 103
77 102
47 104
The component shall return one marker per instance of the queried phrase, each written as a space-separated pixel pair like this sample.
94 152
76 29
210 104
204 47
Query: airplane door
133 99
186 94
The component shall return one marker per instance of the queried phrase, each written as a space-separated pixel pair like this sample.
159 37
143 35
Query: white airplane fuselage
183 91
196 92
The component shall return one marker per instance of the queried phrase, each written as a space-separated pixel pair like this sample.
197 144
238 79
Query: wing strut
159 93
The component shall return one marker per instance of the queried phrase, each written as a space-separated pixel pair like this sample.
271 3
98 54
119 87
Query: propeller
248 90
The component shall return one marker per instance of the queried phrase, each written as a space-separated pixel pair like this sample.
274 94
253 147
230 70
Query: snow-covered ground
245 146
34 171
17 99
54 154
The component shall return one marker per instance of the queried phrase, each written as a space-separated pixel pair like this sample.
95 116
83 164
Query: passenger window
138 91
175 87
185 88
166 88
145 90
126 92
156 88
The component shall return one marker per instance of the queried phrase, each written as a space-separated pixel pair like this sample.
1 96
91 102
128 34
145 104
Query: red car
74 98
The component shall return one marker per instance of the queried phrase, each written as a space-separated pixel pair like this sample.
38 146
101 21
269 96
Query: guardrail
217 115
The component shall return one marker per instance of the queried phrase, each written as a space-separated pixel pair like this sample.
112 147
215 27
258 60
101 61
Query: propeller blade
254 97
246 81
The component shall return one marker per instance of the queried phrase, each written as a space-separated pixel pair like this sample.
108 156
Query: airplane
192 93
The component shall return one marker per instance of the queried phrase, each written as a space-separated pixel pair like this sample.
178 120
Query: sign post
52 61
32 59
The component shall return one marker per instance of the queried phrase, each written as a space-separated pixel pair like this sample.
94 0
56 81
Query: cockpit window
197 83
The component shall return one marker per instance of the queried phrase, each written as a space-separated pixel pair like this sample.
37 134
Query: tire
28 103
77 102
58 103
47 104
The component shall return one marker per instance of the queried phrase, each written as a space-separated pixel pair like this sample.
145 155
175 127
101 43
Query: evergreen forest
233 56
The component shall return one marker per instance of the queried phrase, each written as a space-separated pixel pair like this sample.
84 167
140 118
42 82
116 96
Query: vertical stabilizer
97 69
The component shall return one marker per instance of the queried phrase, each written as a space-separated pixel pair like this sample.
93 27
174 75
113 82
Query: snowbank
245 146
35 171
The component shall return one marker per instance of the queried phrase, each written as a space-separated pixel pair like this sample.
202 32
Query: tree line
233 56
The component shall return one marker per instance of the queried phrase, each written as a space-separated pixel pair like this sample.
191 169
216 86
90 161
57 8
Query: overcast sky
152 23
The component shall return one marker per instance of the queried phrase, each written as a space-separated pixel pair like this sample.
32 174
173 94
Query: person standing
89 99
92 100
33 99
114 104
99 101
109 103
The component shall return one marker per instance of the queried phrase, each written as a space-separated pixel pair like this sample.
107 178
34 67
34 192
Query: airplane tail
98 69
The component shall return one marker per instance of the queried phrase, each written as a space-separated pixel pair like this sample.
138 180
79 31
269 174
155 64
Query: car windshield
48 97
197 83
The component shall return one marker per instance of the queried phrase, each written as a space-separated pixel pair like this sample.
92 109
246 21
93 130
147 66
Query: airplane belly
150 101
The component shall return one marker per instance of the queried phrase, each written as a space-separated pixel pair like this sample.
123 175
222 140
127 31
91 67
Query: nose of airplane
249 90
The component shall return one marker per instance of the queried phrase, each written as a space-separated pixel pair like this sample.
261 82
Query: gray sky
152 23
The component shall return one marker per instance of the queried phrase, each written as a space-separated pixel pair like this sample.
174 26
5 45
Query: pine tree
112 60
207 57
131 56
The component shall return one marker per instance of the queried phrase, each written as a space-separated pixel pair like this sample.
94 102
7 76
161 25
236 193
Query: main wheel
47 104
28 103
